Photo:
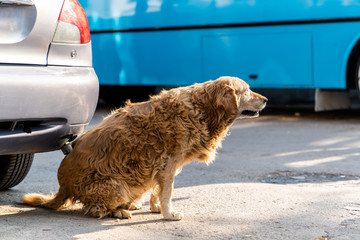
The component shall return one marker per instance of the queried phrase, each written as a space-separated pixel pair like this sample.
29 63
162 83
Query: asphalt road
285 175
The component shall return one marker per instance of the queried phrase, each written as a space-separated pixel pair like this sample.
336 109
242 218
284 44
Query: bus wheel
357 76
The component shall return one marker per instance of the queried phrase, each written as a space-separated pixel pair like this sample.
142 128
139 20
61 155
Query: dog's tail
57 201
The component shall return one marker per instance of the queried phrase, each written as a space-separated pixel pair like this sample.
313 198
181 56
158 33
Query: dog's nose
265 100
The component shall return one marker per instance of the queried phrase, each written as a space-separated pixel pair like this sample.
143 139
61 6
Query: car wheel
13 169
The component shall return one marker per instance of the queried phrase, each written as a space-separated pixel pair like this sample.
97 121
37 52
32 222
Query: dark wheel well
351 69
116 95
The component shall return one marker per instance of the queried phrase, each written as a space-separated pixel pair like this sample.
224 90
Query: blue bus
301 44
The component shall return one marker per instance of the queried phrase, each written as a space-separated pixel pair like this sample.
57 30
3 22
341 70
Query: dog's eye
246 95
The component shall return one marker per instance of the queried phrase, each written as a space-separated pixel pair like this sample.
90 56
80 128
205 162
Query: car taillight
72 25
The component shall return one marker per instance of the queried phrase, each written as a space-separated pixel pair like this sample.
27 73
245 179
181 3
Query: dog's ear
222 105
227 99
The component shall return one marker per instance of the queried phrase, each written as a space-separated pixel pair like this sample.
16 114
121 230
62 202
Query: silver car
48 87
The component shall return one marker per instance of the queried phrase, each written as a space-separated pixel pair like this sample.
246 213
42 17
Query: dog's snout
265 100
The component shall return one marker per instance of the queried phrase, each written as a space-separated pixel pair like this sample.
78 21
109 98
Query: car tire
13 169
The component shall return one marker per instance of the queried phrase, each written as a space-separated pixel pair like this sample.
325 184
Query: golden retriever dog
142 146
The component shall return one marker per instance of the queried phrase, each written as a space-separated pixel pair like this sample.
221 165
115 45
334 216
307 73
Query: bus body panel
125 14
269 44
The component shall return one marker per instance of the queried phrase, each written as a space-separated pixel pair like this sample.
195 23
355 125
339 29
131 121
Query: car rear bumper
41 107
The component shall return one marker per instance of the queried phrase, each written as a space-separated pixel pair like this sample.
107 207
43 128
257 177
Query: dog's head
234 97
249 103
229 98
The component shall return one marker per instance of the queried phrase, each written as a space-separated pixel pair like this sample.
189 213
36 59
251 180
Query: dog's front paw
155 208
135 206
174 216
122 214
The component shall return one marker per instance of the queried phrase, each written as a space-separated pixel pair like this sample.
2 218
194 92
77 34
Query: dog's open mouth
249 113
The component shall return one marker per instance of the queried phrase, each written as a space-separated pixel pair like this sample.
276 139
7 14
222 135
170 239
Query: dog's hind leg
101 210
95 209
107 198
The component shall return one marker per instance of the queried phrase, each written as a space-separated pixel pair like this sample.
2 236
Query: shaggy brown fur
142 146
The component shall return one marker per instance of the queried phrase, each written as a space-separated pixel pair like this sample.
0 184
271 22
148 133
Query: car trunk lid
26 30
